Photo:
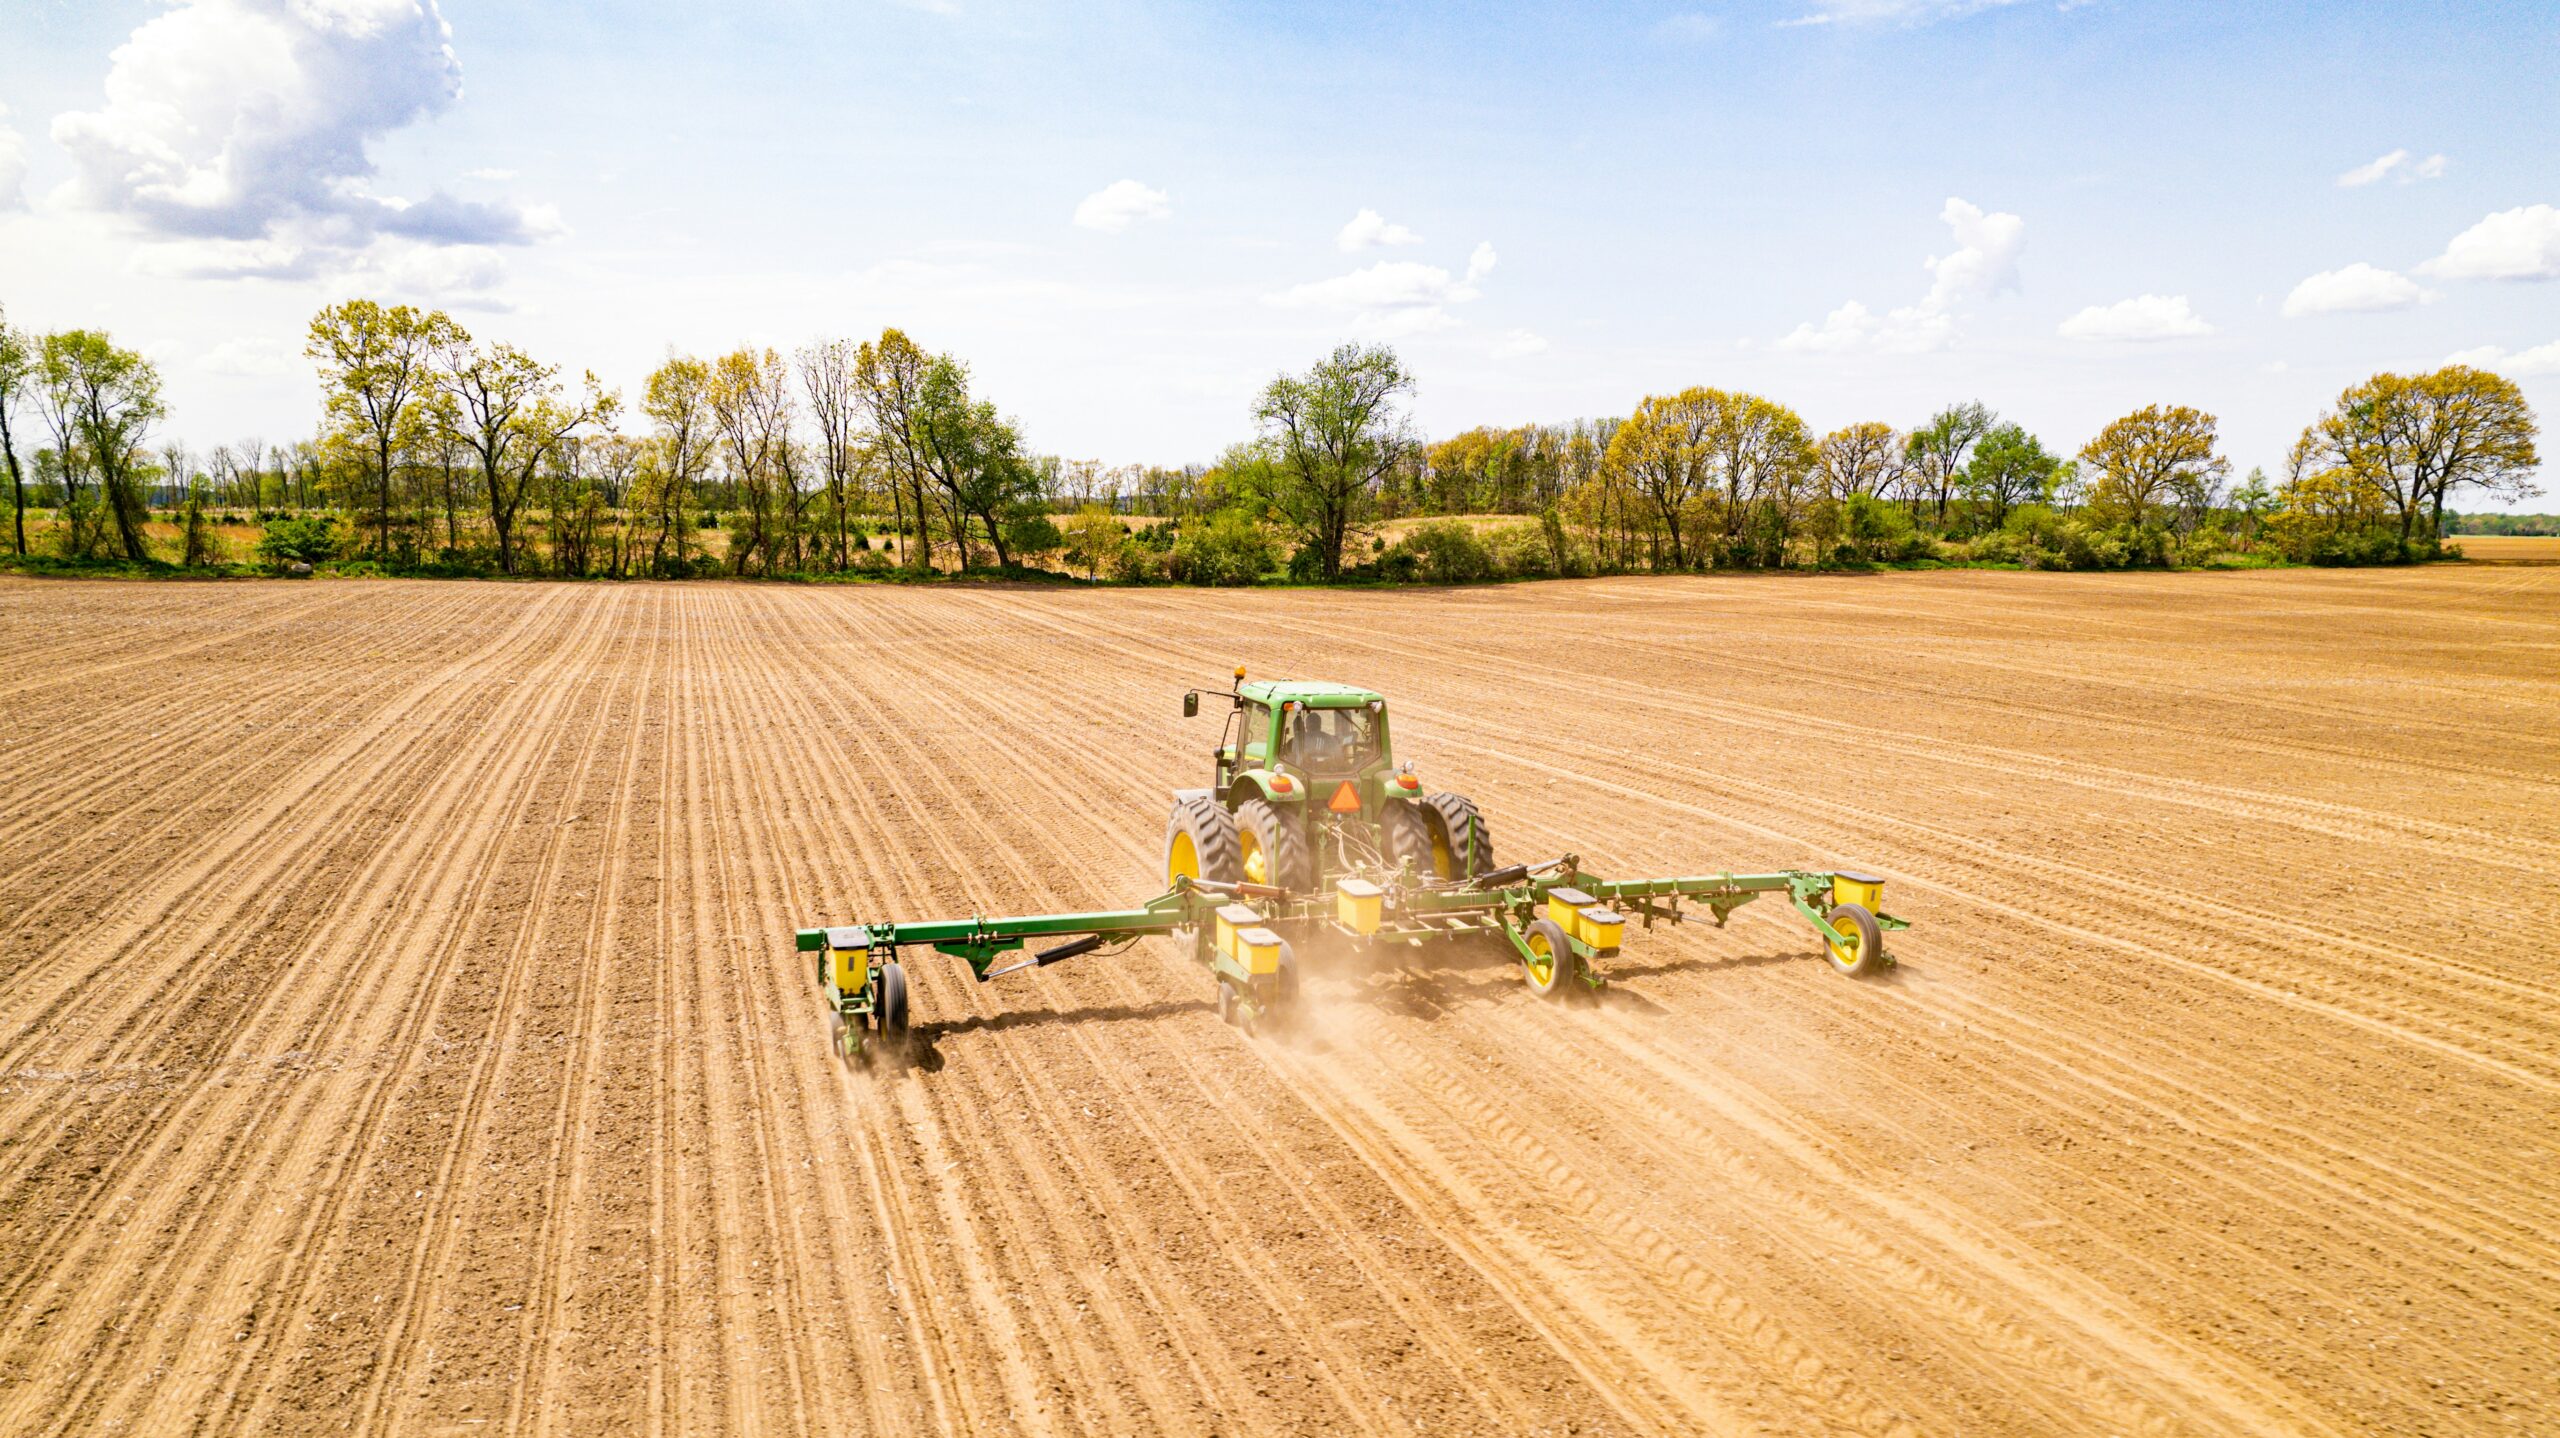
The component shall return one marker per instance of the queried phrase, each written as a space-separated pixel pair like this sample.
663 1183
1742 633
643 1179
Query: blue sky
2126 202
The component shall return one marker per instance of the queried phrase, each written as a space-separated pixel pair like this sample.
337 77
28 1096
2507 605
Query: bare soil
400 1031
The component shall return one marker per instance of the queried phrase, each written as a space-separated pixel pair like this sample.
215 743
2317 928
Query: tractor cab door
1255 741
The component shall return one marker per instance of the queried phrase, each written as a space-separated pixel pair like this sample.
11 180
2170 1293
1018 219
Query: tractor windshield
1331 741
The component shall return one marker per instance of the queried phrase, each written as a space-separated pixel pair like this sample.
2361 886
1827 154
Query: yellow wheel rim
1257 868
1182 861
1444 864
1844 950
1542 962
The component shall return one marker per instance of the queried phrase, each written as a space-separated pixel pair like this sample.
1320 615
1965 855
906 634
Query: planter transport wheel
1863 954
889 1005
1550 961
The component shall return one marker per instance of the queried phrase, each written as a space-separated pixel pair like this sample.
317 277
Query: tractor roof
1313 693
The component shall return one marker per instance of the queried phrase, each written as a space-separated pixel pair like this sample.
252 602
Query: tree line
441 453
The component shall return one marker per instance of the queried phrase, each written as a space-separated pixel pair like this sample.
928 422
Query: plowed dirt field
400 1032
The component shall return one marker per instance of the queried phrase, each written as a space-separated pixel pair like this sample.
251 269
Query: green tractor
1312 832
1306 788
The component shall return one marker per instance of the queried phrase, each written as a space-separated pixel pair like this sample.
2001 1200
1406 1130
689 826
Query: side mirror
1191 704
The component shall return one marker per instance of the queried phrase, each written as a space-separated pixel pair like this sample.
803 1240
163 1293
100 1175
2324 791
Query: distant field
2510 548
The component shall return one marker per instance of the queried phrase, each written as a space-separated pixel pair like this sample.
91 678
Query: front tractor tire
1201 842
1443 835
1272 846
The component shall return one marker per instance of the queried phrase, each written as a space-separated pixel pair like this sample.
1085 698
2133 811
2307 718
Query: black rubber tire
1212 832
835 1037
1226 1003
1286 989
889 1005
1463 829
1854 921
1404 833
1559 978
1288 863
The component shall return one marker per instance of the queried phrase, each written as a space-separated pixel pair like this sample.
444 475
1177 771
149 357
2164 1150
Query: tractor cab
1281 737
1305 786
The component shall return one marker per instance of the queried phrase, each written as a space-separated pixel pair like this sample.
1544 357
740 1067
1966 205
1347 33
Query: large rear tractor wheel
1863 955
1550 961
1405 834
1462 847
1272 847
1200 842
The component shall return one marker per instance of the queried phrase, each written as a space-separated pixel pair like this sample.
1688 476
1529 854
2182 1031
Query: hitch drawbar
1051 955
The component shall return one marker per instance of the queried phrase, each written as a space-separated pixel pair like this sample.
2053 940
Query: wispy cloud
1983 263
2395 166
1394 298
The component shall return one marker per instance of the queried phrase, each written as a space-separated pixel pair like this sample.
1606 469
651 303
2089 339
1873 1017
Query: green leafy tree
677 401
111 397
1231 548
502 405
889 379
1861 459
975 455
377 362
2149 459
2010 467
1092 535
2253 498
2418 439
20 365
1330 436
1665 453
1936 453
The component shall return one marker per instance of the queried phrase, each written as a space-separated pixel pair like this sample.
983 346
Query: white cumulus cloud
1515 343
2517 244
1394 298
1120 204
2355 289
2395 166
2539 360
249 123
1985 260
13 164
1369 229
1983 263
2144 317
